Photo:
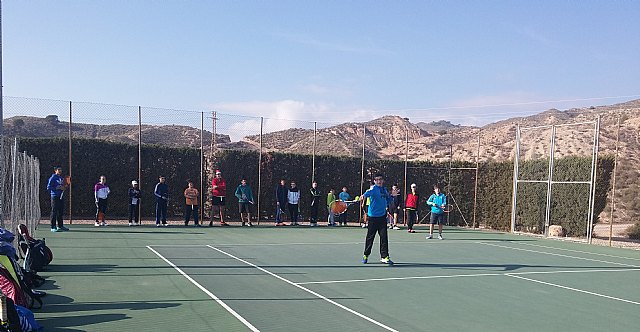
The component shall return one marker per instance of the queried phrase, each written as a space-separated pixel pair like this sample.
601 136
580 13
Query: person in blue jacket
438 203
161 193
377 215
56 187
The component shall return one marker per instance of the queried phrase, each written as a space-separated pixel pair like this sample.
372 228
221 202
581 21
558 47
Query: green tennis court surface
311 279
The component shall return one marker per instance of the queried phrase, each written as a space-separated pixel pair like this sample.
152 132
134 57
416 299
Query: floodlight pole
613 187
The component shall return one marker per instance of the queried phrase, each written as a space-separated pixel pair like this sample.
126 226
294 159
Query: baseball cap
413 185
218 171
134 182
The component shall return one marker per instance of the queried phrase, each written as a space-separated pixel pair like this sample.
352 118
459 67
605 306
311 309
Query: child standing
331 198
134 204
191 204
344 196
101 192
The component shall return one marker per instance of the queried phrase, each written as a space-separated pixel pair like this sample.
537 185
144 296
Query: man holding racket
245 199
56 186
377 212
438 203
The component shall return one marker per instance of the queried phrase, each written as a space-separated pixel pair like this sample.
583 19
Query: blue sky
331 61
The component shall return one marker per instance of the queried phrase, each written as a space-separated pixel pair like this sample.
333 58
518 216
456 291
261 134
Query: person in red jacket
219 191
411 207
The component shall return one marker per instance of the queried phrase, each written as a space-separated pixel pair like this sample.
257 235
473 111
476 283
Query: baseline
206 291
580 251
305 289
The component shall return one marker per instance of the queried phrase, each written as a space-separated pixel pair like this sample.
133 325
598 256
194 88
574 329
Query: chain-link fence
20 183
128 143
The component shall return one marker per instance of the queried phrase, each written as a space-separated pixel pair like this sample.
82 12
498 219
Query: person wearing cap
191 204
161 192
56 186
101 193
218 193
411 207
134 204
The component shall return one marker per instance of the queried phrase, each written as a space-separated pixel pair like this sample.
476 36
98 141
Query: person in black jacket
162 198
134 204
282 201
315 202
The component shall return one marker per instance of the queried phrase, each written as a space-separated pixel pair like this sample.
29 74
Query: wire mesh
20 176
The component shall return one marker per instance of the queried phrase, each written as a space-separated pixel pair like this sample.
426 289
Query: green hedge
119 163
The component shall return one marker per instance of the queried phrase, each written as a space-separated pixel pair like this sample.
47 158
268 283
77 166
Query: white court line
306 290
573 289
260 244
206 291
461 276
559 255
581 252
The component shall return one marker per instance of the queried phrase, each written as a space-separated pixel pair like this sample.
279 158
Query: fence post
140 161
594 165
259 174
613 187
364 137
313 155
406 163
70 164
475 188
516 170
201 167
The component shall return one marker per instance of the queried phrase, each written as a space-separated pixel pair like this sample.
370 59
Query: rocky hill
50 126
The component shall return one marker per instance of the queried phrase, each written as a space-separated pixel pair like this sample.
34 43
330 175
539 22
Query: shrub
633 232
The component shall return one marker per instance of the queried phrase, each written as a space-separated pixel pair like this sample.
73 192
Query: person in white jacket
293 197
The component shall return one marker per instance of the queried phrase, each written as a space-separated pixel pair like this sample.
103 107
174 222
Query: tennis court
311 279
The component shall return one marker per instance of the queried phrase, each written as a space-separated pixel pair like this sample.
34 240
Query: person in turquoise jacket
245 200
438 203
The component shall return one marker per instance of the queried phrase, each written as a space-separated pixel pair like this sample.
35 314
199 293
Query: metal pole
1 127
201 212
516 170
70 165
14 152
594 165
364 137
613 187
449 171
140 162
547 213
259 173
313 156
406 162
475 187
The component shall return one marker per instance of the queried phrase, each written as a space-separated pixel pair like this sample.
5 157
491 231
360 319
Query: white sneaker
103 224
439 236
396 228
429 236
97 224
130 224
364 225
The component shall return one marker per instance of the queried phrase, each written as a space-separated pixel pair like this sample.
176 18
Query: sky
469 62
